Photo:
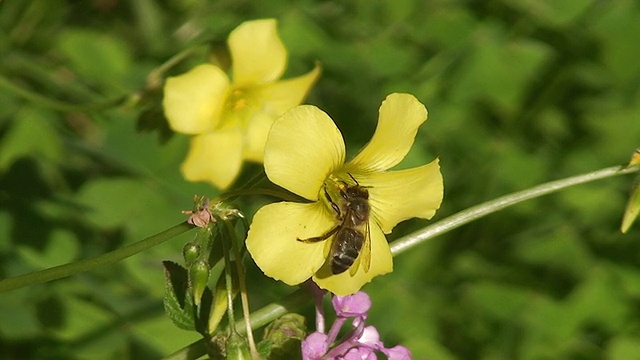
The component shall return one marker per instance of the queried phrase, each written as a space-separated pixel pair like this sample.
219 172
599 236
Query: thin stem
335 329
229 286
244 299
276 309
155 77
347 342
318 297
230 195
112 257
58 105
475 212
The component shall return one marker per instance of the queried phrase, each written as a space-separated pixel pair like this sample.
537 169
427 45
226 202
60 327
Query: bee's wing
365 253
366 248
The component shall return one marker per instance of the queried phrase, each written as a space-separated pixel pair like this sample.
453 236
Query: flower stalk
244 298
475 212
61 271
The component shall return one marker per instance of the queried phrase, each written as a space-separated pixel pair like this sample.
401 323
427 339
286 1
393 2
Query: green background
519 92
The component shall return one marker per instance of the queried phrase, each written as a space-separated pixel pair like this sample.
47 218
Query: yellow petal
281 96
273 245
258 55
400 195
256 136
193 101
214 157
346 284
274 100
400 117
304 146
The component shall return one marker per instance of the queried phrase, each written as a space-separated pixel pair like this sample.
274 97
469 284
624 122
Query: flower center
344 196
237 100
237 108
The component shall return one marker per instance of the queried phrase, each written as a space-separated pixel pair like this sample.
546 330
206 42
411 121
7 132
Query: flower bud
190 252
198 278
237 348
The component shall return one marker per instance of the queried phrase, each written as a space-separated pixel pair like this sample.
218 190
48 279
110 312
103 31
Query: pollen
237 100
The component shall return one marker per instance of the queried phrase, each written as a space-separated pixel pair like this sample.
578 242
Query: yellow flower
305 154
230 119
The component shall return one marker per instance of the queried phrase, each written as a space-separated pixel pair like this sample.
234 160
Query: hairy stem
112 257
56 104
244 297
475 212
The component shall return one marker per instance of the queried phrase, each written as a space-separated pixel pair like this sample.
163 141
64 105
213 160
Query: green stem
55 104
156 76
259 318
229 285
475 212
244 297
112 257
280 194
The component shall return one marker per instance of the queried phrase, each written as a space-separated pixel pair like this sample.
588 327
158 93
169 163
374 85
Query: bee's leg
321 237
334 206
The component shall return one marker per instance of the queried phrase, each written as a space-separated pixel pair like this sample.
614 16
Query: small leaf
204 312
178 302
633 208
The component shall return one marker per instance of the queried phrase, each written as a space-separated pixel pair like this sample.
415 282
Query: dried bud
202 215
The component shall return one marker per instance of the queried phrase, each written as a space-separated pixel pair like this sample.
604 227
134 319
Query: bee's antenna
354 179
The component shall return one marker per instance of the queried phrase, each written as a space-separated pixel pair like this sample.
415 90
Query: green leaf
498 300
32 134
616 29
96 55
500 68
552 11
178 301
61 248
137 205
623 347
19 319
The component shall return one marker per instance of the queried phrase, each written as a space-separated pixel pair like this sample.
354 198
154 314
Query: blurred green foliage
519 92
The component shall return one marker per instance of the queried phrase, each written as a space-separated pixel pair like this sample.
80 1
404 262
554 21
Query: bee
351 237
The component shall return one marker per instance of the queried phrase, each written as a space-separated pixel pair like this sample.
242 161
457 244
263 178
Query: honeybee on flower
292 241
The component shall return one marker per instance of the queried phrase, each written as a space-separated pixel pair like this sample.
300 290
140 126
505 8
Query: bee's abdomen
345 249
